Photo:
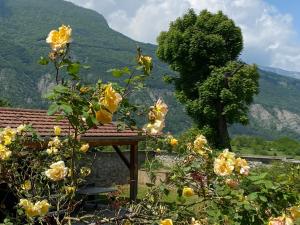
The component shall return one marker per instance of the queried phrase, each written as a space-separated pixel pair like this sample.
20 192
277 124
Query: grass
142 191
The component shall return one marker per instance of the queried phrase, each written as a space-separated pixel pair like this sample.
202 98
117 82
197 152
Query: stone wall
109 169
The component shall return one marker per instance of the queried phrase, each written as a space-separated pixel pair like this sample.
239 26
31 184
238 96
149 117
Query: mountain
275 111
24 26
282 72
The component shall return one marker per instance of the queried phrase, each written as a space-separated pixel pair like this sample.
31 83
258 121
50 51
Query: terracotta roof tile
44 124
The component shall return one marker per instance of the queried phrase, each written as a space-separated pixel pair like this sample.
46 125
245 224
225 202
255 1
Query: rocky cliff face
275 118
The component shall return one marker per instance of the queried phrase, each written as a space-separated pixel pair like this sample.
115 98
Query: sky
271 28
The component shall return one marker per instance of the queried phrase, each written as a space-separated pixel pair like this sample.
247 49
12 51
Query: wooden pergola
106 135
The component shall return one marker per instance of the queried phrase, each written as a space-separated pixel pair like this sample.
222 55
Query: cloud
269 36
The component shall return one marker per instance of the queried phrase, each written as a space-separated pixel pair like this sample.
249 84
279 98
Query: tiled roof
43 125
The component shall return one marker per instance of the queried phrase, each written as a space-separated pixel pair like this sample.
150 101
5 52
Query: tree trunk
222 129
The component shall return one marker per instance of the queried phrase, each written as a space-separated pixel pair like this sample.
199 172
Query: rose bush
44 174
213 187
216 187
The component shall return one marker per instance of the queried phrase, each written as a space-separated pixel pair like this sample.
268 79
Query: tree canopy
214 85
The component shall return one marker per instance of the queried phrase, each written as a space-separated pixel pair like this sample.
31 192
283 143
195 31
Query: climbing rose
173 142
146 62
281 220
111 99
241 166
199 145
154 128
166 222
57 130
223 167
295 212
26 185
227 155
57 171
187 192
160 109
59 39
103 116
5 153
40 208
84 148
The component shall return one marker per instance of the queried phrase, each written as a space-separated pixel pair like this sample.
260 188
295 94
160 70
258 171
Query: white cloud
269 37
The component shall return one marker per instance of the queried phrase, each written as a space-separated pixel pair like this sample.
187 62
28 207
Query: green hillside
24 26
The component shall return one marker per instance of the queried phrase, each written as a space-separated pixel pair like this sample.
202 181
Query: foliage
219 188
259 146
4 103
215 88
47 179
23 82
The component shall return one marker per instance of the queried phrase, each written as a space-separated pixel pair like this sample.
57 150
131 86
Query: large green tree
212 83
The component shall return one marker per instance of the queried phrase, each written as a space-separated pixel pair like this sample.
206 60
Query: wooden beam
122 156
133 171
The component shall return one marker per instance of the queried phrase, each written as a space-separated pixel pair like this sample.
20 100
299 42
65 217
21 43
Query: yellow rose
199 144
158 150
26 185
281 220
103 116
166 222
29 207
85 171
7 136
187 192
295 212
84 148
21 128
42 207
84 90
55 142
146 62
195 222
59 39
223 167
227 155
173 142
57 171
5 153
24 203
160 109
111 99
241 165
52 150
57 130
154 128
127 222
69 190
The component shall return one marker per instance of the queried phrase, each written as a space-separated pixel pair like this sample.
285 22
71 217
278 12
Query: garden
208 184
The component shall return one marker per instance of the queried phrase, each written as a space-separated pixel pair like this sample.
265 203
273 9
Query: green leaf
119 72
263 198
86 67
73 68
43 61
61 89
252 196
66 108
150 185
53 108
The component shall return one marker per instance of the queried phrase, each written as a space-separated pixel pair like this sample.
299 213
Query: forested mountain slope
24 26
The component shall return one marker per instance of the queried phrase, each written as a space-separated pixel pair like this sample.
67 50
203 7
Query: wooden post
133 171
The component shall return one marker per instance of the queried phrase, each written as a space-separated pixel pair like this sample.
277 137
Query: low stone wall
109 169
161 175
